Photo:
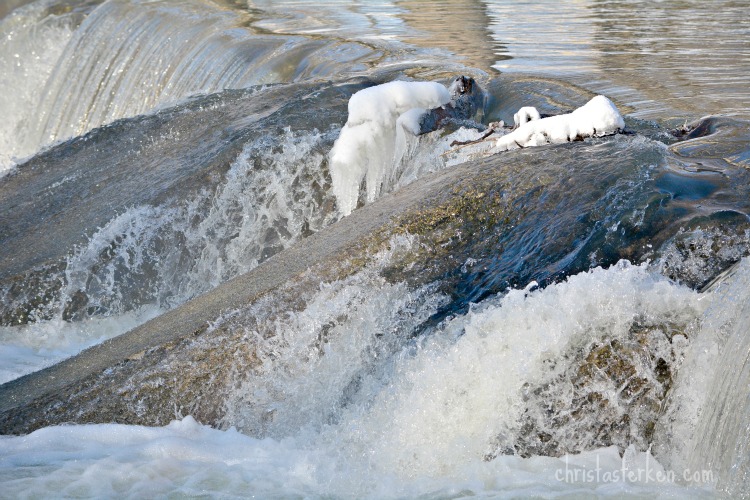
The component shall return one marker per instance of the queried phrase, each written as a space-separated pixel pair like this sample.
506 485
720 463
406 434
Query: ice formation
365 149
525 115
381 117
596 118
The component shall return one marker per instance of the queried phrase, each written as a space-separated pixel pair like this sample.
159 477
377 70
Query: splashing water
273 195
418 421
369 384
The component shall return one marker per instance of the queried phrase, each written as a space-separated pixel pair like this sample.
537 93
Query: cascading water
124 58
498 342
272 196
33 42
711 407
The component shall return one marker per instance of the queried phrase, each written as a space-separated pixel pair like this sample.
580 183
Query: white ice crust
373 141
365 147
525 115
596 118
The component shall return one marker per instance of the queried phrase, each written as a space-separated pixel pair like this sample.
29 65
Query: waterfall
127 58
272 223
33 41
716 383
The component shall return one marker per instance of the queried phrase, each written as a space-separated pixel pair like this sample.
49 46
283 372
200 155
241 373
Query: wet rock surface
611 392
476 229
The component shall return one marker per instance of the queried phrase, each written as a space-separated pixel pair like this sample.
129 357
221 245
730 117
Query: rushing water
151 150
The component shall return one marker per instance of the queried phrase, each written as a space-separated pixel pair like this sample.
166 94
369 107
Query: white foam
418 425
463 389
28 348
308 358
596 118
365 148
32 42
185 458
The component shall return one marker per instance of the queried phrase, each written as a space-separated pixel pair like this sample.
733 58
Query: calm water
664 59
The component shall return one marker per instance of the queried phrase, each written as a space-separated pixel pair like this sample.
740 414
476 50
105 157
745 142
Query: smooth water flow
562 333
690 58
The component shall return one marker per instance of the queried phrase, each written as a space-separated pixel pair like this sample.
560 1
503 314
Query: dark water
153 150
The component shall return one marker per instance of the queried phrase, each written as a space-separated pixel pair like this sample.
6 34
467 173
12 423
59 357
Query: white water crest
707 427
313 359
463 387
31 43
129 271
418 422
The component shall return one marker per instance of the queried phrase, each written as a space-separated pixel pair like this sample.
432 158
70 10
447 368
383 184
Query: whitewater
374 286
421 429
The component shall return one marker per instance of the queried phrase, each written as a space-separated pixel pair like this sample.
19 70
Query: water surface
152 150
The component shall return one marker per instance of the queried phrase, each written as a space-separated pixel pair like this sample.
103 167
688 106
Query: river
589 340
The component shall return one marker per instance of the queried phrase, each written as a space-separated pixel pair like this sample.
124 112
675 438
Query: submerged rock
467 99
611 392
475 230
